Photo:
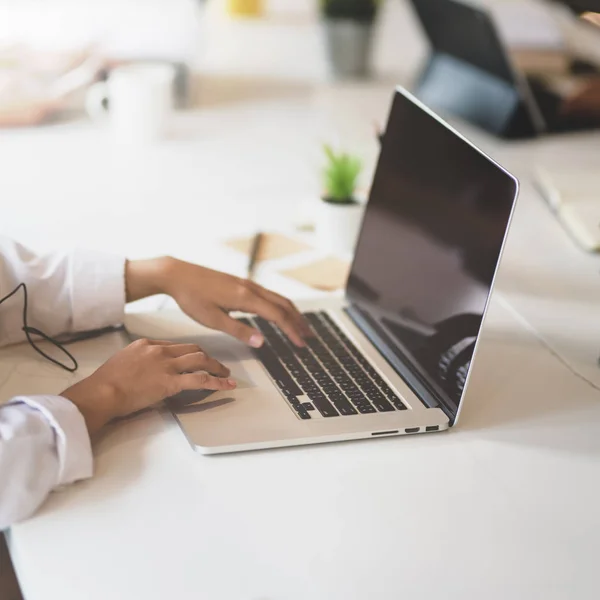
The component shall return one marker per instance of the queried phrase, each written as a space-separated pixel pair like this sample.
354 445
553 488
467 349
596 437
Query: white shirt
44 442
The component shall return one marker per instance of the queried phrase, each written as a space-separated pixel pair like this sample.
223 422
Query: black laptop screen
428 250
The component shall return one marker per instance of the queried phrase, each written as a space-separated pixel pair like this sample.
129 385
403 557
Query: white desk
504 506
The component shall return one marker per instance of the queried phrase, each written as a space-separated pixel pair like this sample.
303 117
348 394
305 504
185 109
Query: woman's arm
44 443
45 440
68 291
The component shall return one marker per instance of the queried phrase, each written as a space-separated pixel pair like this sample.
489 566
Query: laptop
469 73
393 357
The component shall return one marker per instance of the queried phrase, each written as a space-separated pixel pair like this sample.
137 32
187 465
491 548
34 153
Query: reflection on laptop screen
428 251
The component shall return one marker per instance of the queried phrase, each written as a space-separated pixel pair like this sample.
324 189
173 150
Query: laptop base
257 414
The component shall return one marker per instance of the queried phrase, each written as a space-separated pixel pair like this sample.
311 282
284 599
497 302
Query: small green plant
357 10
340 176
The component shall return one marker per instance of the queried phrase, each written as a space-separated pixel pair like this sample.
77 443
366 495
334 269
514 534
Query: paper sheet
327 274
274 245
562 185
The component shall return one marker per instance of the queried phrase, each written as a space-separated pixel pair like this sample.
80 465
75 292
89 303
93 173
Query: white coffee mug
136 99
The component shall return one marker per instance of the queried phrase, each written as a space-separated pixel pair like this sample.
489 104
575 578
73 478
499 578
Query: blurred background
94 153
184 127
149 127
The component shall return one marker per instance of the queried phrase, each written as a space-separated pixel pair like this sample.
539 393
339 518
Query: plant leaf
340 175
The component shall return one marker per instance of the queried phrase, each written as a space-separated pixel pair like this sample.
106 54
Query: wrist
145 278
95 401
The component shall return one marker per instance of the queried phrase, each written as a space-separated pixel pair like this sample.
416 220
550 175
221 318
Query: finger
273 312
147 342
204 381
249 300
289 307
223 322
199 361
592 18
176 350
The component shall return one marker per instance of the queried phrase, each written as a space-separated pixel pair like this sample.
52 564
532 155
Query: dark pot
349 47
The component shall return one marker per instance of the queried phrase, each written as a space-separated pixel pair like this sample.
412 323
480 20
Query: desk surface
503 506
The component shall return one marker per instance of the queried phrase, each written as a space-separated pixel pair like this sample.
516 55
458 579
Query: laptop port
432 428
412 429
385 432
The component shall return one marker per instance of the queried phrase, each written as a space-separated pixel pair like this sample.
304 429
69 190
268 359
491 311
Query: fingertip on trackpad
187 397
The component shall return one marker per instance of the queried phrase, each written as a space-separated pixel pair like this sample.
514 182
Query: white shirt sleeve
44 442
69 291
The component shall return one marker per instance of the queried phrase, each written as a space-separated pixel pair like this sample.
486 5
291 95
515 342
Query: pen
254 253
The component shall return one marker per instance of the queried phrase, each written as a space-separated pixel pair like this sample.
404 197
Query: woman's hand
208 296
141 375
585 102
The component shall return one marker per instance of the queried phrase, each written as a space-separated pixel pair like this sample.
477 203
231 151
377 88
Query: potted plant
340 213
348 34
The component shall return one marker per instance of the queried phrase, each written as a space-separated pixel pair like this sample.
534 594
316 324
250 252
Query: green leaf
340 175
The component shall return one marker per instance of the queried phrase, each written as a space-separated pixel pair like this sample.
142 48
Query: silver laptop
393 357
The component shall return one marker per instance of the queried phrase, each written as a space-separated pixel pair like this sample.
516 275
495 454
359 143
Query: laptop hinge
401 365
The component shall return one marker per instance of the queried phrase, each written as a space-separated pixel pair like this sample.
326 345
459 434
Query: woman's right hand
142 375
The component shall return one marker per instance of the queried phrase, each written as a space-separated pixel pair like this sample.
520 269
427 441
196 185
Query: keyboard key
302 412
398 403
389 394
341 403
380 403
322 404
279 375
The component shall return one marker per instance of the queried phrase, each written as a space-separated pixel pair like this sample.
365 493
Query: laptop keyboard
329 377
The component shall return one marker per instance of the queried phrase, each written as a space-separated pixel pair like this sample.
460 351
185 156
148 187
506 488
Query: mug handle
96 101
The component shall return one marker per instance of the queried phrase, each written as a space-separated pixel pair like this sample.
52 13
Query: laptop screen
428 250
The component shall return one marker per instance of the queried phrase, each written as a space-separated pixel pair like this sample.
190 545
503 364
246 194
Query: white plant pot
337 226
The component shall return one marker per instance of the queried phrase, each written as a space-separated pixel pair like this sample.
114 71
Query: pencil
254 253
